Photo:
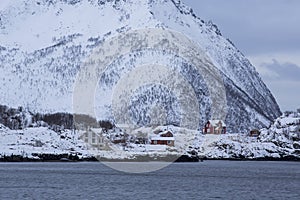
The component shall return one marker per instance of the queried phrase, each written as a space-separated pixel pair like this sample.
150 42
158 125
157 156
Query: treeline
20 118
14 118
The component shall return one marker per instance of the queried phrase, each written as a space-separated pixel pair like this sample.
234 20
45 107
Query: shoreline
181 159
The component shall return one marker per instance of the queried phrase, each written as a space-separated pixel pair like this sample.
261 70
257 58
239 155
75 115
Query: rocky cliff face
181 67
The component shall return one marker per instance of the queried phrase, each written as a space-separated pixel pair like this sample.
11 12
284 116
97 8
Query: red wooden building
163 138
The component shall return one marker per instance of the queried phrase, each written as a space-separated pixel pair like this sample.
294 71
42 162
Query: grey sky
268 33
286 71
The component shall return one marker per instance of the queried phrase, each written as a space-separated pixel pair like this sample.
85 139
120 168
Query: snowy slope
281 140
43 45
39 141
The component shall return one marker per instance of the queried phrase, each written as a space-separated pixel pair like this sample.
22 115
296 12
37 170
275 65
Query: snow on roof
124 126
2 127
96 130
163 138
164 132
215 122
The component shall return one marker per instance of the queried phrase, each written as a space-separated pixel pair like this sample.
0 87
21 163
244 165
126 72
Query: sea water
203 180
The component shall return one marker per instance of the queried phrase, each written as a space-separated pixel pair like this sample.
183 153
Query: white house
95 138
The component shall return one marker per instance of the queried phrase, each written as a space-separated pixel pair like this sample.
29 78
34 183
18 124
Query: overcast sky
268 33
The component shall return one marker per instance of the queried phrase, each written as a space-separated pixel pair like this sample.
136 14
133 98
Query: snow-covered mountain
44 43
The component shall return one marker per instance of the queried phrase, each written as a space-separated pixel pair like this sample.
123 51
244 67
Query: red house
163 138
214 127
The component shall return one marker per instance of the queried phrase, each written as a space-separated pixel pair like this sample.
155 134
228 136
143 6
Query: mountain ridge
53 68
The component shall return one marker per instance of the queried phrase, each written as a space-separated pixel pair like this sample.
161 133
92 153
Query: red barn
163 138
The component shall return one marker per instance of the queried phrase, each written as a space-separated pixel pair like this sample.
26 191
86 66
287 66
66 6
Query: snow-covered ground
282 139
278 141
39 140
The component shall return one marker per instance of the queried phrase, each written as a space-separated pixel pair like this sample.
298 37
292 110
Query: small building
141 138
215 127
119 138
254 133
163 138
95 138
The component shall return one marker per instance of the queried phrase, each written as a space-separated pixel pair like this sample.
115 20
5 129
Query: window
86 138
93 138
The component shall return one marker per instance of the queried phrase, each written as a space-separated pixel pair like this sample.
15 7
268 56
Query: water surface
204 180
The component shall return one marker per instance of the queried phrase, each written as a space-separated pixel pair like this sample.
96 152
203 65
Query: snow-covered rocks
280 140
237 146
3 128
40 140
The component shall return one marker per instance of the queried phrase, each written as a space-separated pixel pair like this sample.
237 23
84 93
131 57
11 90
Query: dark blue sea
203 180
